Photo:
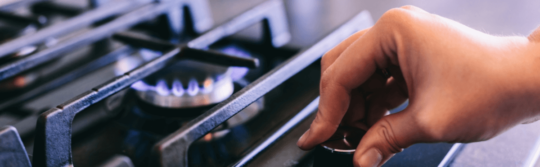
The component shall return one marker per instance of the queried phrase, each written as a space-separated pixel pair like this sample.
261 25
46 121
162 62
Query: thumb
388 136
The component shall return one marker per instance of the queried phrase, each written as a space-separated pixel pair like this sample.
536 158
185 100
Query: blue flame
193 87
177 88
141 86
162 88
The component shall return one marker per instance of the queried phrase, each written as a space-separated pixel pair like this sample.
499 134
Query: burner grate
53 137
55 126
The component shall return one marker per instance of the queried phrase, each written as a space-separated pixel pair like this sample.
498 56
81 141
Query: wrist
526 79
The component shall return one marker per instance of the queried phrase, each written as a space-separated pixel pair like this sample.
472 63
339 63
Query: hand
463 85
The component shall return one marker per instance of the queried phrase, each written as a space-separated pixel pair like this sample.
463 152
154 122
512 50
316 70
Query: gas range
156 83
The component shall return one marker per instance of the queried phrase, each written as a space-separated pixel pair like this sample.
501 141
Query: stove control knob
339 149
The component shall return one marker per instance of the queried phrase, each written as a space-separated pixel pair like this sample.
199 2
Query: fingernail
371 158
303 139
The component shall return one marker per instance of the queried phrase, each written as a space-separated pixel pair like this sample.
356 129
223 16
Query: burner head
186 84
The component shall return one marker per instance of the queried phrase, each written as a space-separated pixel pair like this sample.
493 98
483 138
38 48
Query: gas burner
158 120
186 84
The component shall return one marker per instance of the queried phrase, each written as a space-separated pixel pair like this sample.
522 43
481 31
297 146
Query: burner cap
186 84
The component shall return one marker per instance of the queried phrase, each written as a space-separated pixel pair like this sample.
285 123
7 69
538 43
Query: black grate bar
137 40
72 75
12 149
54 127
55 7
123 22
301 116
53 131
20 19
219 58
75 23
172 151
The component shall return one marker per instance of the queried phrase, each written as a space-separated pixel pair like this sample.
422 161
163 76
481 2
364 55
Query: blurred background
311 20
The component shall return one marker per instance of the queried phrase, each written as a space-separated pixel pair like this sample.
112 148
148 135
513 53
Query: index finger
352 68
334 53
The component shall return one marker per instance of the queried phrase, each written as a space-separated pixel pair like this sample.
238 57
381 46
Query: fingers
352 68
356 112
333 54
345 68
363 113
388 136
379 103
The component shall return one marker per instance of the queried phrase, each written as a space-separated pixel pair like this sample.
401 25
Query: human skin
462 85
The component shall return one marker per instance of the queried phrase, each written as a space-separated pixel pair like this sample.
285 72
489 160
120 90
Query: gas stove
156 83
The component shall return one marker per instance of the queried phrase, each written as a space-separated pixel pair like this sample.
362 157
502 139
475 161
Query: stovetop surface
133 135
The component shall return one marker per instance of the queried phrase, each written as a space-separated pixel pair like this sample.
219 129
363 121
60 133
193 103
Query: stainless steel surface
511 148
454 151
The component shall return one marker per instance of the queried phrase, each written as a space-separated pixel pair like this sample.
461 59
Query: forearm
528 80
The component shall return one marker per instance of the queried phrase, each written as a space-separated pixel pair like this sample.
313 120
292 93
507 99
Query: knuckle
322 119
387 133
403 17
395 14
409 7
322 123
325 80
326 58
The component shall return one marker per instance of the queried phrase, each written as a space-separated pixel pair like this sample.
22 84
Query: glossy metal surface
20 19
292 123
339 149
48 86
67 26
214 57
118 161
53 131
172 151
12 152
451 155
141 14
